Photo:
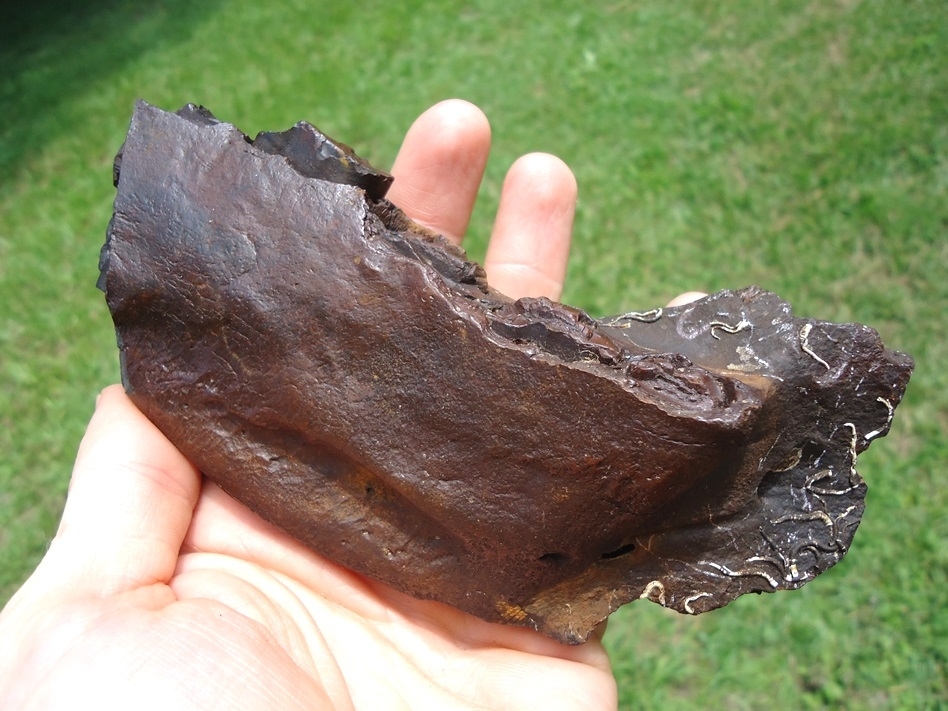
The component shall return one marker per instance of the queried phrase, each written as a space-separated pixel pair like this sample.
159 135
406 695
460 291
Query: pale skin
161 592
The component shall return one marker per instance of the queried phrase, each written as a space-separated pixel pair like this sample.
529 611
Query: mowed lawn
801 146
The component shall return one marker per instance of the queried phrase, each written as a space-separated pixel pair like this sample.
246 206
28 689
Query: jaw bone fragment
352 378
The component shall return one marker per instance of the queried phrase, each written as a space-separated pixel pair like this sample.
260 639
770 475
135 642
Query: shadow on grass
54 50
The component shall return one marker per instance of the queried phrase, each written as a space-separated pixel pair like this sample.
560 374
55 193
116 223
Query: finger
224 527
440 166
530 242
687 298
129 506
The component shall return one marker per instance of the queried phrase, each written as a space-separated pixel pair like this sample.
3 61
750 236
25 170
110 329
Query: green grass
802 146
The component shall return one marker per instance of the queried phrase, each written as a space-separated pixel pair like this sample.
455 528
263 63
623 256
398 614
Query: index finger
440 166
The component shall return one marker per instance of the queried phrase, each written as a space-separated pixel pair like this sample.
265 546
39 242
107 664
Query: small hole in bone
621 550
556 558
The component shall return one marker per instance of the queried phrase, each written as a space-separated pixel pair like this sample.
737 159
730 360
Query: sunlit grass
800 146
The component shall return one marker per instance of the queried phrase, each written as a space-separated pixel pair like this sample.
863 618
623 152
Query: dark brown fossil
352 378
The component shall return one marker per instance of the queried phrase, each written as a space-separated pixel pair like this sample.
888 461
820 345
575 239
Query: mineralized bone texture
353 379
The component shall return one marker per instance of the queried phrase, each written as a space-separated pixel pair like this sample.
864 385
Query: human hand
160 591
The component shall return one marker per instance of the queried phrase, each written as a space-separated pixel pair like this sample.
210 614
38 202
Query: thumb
129 506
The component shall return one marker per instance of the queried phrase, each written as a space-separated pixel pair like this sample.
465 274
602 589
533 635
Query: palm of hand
161 591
